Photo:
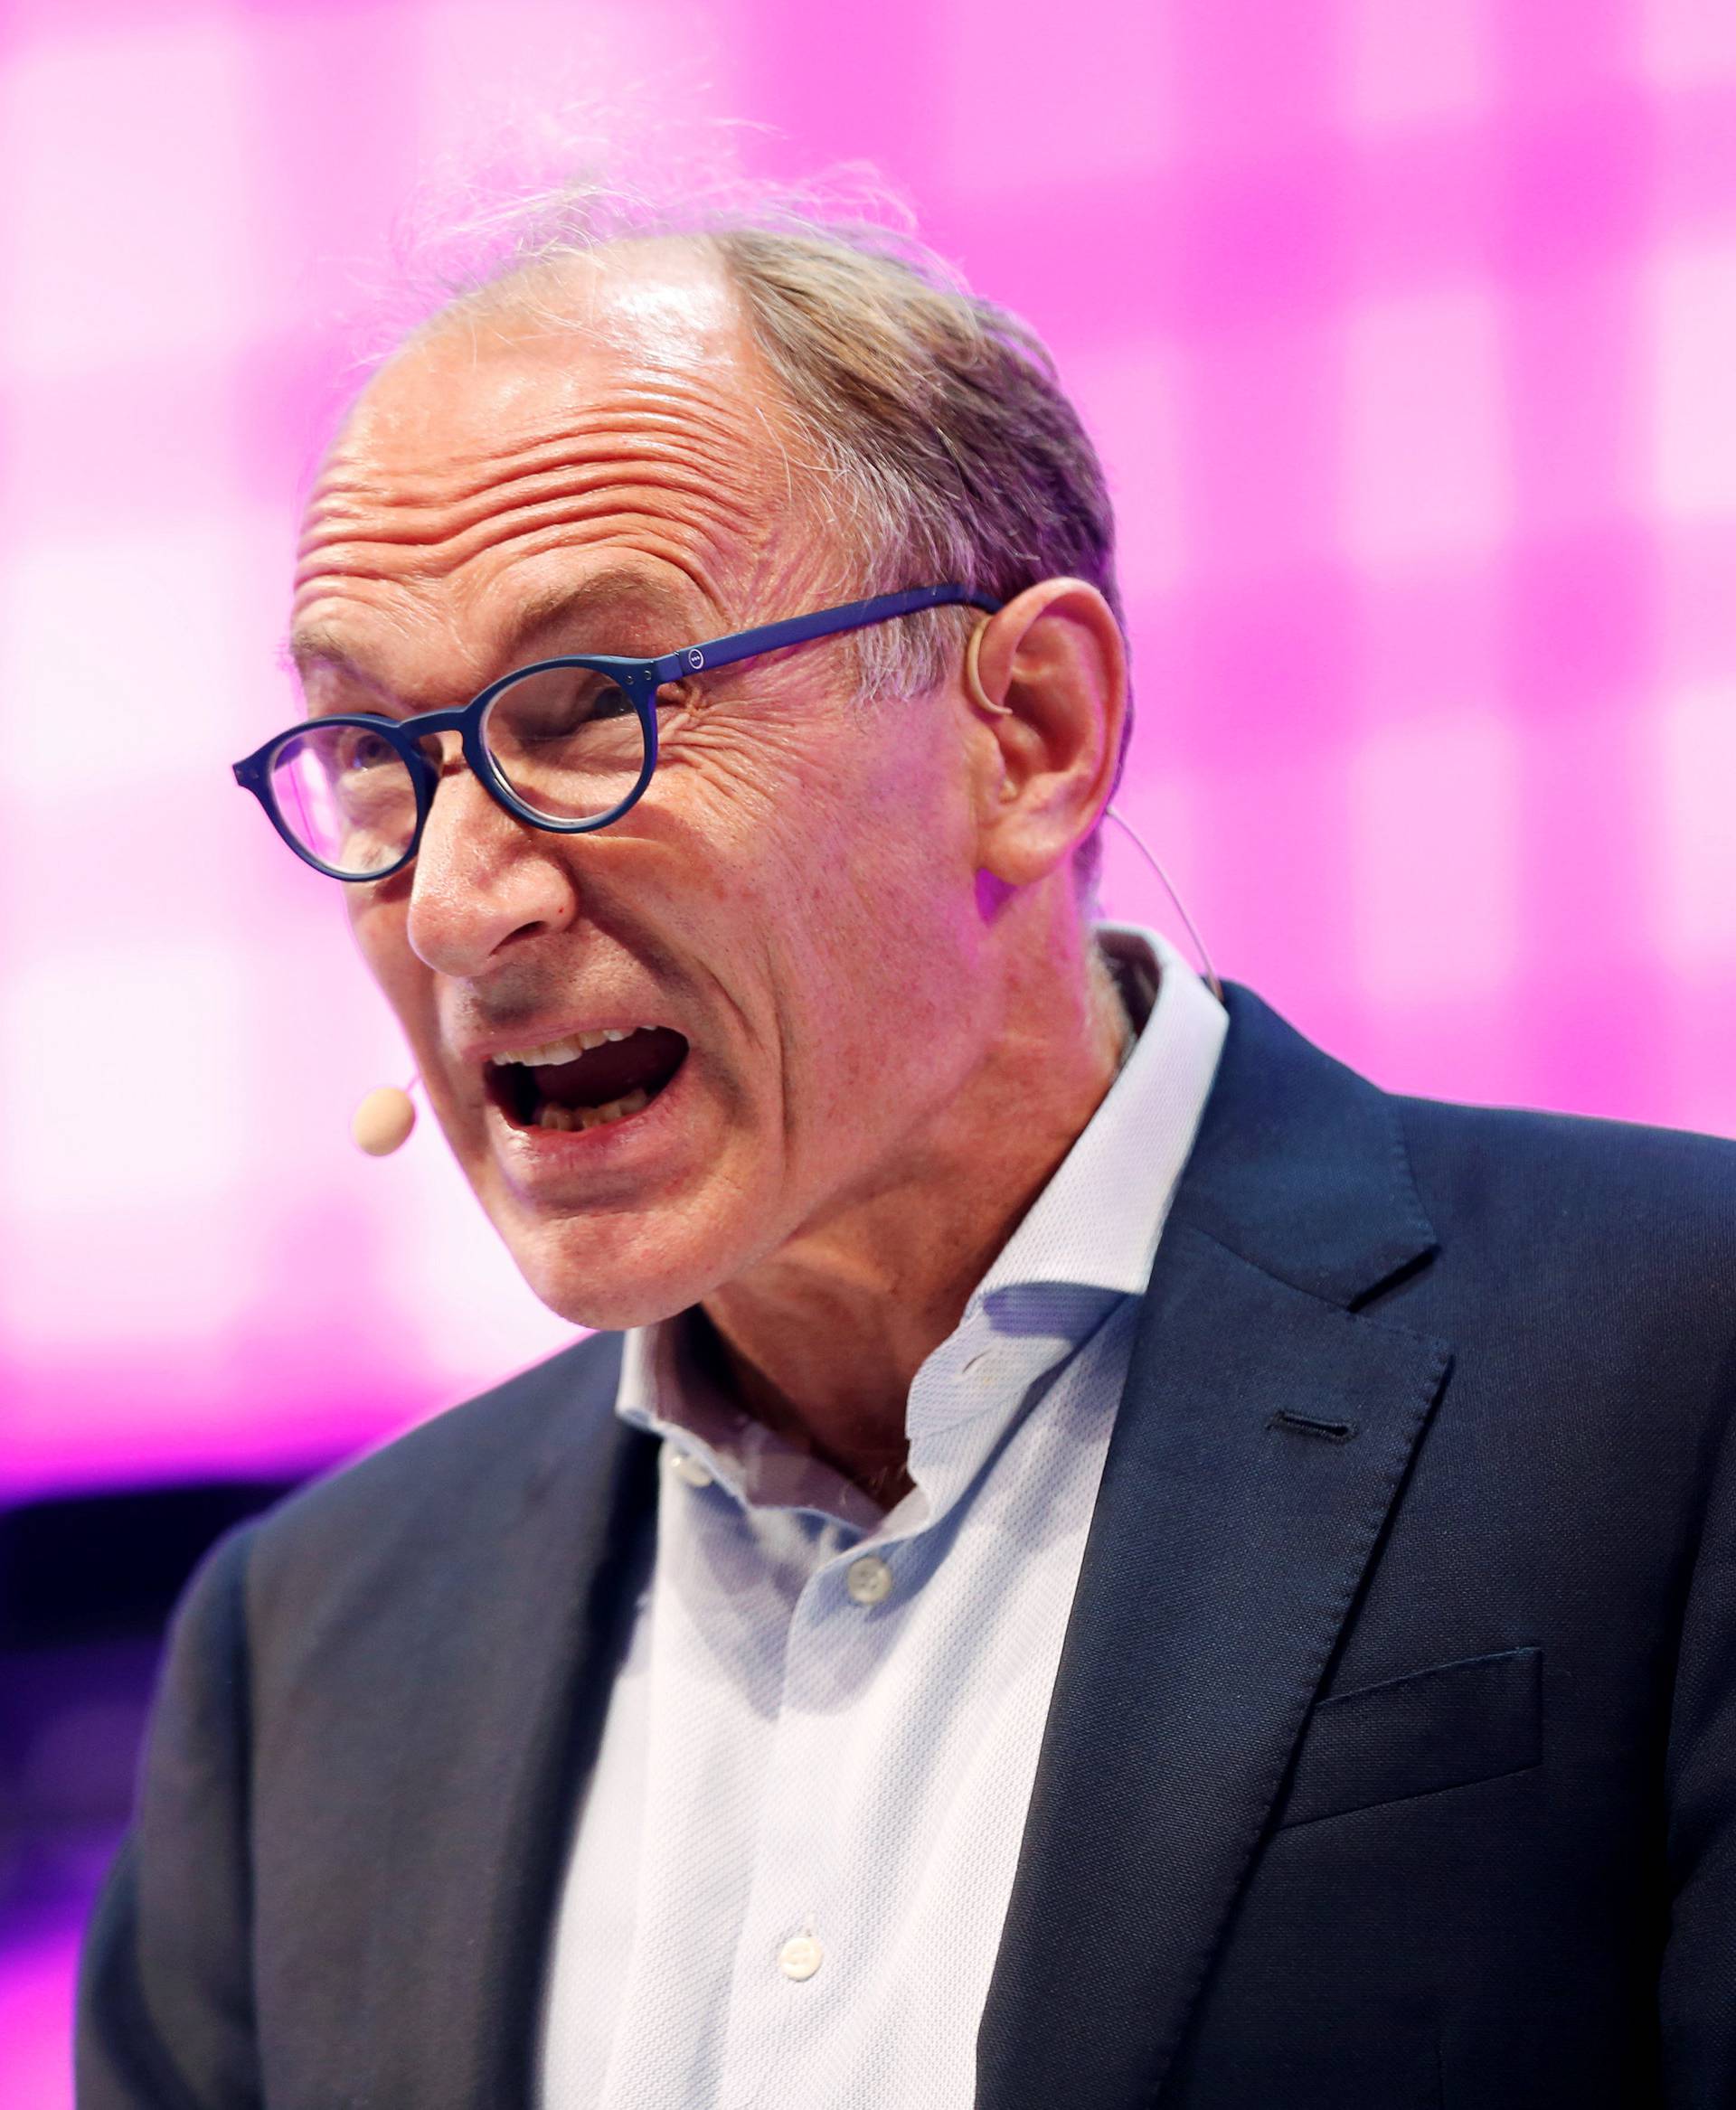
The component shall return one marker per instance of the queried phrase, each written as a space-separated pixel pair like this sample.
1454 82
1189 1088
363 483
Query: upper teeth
567 1050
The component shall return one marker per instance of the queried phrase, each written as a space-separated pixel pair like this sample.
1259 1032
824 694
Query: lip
478 1054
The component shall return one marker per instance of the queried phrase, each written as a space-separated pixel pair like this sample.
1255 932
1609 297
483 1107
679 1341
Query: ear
1052 672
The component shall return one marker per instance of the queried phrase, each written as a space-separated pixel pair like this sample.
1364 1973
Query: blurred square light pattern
1408 337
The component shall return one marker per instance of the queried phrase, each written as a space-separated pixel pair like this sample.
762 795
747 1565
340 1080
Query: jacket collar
1300 1165
1263 1436
506 1665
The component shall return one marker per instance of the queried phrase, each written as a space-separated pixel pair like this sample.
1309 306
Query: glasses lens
568 741
346 795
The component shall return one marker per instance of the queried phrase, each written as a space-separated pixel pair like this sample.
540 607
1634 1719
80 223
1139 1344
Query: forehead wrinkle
618 472
655 422
315 646
407 519
424 549
362 510
322 605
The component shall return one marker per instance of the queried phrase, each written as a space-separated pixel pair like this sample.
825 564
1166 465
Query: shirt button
869 1579
799 1958
694 1471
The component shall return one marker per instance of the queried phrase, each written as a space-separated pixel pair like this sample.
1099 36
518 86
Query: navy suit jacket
1392 1759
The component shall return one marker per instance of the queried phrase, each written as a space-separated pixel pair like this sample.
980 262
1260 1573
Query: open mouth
587 1081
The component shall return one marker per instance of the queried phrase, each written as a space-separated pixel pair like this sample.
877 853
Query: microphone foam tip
383 1121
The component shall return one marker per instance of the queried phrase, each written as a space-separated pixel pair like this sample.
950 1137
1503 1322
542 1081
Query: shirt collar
1097 1223
1094 1228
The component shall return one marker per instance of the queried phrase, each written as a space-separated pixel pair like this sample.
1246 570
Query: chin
604 1276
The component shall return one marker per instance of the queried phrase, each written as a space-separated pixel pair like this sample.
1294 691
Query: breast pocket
1445 1727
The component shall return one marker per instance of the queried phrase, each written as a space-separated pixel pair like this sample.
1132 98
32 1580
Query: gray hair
941 444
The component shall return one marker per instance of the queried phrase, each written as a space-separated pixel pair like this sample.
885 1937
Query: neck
821 1340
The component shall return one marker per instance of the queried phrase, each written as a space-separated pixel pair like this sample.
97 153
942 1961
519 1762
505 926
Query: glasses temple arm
803 629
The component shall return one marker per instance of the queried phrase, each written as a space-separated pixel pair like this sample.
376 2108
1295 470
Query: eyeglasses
567 745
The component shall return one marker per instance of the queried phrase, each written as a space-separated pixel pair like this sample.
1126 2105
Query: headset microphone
383 1120
985 702
1151 858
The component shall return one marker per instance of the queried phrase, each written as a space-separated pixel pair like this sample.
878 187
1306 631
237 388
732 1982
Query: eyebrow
319 646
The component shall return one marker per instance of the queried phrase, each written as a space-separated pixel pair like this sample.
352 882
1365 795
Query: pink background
1409 335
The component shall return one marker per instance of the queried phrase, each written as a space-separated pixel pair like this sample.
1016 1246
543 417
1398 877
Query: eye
557 703
612 702
359 748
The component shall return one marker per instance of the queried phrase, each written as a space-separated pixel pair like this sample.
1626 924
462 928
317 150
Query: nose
482 880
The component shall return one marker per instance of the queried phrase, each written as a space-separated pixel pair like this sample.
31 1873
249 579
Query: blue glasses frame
638 679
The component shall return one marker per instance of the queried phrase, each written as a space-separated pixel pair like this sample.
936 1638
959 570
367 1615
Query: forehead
614 408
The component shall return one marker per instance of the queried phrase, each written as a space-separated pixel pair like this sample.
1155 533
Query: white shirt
790 1868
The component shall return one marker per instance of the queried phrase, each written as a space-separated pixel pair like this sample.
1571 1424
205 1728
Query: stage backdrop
1407 333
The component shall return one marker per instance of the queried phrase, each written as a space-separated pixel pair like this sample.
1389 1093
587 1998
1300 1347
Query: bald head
656 296
924 428
614 402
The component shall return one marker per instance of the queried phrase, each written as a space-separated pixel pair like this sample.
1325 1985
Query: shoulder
462 1473
1337 1187
1645 1197
1584 1267
1582 1255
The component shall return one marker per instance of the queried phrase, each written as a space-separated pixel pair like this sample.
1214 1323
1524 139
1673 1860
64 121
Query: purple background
1407 333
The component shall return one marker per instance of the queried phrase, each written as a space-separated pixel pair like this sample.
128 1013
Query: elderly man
1094 1558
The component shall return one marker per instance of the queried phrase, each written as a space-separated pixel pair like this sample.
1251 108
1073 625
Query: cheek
796 839
729 780
876 938
818 789
379 928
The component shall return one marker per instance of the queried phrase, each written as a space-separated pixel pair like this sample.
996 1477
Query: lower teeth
550 1116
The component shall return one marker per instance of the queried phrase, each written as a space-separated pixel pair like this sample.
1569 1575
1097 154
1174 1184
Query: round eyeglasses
566 745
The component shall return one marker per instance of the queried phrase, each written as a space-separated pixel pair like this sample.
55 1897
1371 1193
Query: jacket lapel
509 1686
1263 1435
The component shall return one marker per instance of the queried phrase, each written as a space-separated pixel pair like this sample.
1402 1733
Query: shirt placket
794 1969
798 1963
